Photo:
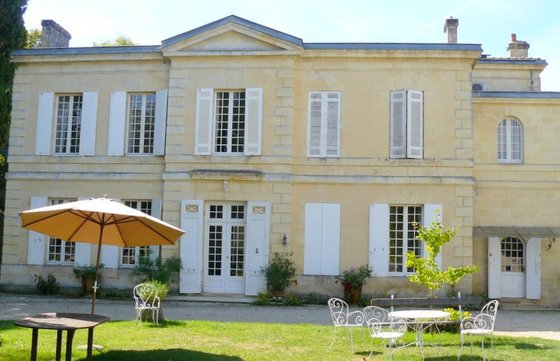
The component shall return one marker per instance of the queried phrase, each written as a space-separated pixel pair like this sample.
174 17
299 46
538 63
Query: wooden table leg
69 338
90 344
34 339
58 344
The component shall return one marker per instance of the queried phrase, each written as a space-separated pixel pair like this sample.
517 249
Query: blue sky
486 22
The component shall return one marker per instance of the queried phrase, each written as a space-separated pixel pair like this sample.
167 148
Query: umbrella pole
97 269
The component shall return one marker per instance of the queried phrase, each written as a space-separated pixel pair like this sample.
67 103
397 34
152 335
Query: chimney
54 35
450 28
518 48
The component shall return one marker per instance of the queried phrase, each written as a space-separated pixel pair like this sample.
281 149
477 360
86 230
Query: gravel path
543 324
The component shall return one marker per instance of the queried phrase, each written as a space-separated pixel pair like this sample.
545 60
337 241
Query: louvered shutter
160 122
379 239
190 276
204 121
332 124
415 124
314 131
43 136
398 124
258 234
253 121
88 128
36 242
117 123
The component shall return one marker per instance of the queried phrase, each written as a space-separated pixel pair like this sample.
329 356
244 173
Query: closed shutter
253 121
160 122
258 235
117 123
204 121
379 239
83 250
156 212
494 268
88 127
533 269
330 255
314 131
190 276
332 124
43 136
322 239
415 124
36 242
433 213
312 242
397 136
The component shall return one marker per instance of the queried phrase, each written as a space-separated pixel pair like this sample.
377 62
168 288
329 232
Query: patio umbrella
101 221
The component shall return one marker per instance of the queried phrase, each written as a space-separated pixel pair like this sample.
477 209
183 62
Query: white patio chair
146 299
386 330
343 317
481 324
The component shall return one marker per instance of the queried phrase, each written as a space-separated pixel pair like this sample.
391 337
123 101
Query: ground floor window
512 251
403 226
130 256
59 251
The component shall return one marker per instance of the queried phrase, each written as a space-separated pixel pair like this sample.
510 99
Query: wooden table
69 322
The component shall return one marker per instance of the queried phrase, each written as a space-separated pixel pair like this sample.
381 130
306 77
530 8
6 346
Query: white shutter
312 242
397 136
330 249
415 124
190 276
533 270
333 124
36 242
160 122
253 121
314 125
494 268
156 212
110 256
43 136
117 123
204 121
379 239
88 128
82 256
433 213
258 235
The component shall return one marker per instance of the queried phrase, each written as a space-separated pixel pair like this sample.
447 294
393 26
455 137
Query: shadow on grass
168 355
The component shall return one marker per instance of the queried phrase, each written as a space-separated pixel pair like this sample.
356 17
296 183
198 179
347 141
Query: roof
517 61
89 50
518 95
516 231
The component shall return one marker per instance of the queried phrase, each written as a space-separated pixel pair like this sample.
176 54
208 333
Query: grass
236 341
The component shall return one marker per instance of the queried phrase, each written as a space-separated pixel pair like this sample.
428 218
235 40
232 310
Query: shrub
161 288
280 273
87 271
355 277
47 286
157 269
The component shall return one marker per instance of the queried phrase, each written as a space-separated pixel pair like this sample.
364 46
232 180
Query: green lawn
235 341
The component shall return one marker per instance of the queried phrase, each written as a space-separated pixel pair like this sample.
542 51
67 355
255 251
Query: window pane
229 134
68 124
141 123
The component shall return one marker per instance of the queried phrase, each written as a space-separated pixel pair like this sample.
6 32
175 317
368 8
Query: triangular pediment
231 35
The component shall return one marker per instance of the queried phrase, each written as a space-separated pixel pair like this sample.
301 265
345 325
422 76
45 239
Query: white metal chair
343 317
146 299
481 324
381 326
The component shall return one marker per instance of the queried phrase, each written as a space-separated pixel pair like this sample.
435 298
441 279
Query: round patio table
69 322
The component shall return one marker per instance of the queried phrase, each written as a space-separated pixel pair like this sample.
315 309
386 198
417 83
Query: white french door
225 236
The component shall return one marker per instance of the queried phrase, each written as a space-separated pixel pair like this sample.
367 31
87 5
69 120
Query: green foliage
121 40
455 315
355 277
427 271
87 271
266 298
280 273
33 39
157 269
161 288
47 286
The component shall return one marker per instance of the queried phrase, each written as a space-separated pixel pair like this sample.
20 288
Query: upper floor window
141 123
407 124
59 251
228 122
510 141
323 124
68 122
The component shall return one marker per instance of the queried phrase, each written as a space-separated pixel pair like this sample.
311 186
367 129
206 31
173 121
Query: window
68 124
131 255
229 128
324 124
513 259
59 251
407 124
141 123
403 223
228 122
322 239
510 141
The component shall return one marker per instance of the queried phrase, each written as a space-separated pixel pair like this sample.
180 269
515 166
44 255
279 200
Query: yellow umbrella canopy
102 221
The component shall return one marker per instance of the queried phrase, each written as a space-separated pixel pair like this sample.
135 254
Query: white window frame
406 137
69 120
147 118
138 251
64 246
509 142
323 124
411 227
229 121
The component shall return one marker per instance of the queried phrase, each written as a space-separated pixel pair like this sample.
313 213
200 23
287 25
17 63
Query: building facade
255 142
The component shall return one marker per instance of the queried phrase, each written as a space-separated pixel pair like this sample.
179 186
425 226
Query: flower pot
352 295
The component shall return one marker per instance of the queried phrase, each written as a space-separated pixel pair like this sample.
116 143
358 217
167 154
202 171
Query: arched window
510 141
513 259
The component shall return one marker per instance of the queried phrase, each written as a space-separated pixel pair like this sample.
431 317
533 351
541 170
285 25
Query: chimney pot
513 37
450 28
518 49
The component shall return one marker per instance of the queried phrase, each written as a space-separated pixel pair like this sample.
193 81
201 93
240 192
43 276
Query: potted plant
353 280
280 274
87 275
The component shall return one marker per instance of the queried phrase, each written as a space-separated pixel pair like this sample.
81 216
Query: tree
33 39
121 40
